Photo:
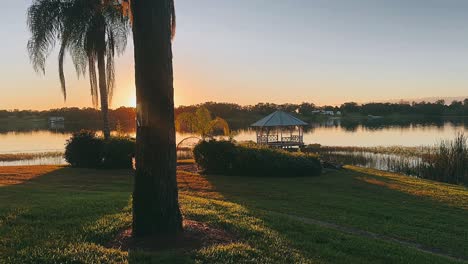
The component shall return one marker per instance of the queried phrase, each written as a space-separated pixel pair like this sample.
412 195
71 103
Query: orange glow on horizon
132 101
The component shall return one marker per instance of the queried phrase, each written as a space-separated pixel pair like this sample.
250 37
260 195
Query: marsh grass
444 162
29 156
449 163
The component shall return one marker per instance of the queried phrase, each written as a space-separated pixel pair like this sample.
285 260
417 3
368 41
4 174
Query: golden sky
321 51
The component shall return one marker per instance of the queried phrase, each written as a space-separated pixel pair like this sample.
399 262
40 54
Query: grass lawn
52 214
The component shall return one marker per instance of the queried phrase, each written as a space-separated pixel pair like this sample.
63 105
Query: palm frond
44 22
78 25
93 79
173 18
110 74
61 73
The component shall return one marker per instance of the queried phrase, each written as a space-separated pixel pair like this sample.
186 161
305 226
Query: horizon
326 52
447 100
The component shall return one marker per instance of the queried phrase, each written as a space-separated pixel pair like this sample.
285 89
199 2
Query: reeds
445 162
449 163
9 157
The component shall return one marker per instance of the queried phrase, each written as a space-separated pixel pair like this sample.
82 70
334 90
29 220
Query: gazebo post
281 132
301 140
268 135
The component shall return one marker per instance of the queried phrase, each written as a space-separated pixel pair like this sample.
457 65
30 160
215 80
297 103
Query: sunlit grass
64 215
449 194
19 174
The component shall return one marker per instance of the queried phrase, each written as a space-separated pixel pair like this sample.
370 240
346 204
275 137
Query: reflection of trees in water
398 123
350 125
62 128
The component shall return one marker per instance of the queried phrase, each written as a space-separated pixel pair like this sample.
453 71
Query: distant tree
306 108
264 108
92 31
350 107
328 108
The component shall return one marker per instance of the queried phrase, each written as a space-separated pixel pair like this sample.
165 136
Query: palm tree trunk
104 95
103 87
155 196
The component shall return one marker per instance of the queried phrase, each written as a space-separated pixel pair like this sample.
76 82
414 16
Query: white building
56 119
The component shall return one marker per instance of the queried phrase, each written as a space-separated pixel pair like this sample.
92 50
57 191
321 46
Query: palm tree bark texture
155 196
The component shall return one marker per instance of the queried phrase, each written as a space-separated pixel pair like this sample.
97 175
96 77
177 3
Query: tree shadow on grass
72 214
345 200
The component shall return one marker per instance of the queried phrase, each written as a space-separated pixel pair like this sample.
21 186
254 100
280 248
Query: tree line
72 114
438 108
233 112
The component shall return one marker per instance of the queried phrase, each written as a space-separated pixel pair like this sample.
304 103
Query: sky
250 51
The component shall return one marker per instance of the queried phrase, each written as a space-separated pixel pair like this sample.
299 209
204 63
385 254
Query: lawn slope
62 215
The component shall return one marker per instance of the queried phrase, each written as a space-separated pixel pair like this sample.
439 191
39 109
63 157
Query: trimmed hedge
224 157
86 150
118 153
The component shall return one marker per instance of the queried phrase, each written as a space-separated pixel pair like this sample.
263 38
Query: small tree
201 123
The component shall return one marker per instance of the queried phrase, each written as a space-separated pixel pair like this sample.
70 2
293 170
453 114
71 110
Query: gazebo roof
279 119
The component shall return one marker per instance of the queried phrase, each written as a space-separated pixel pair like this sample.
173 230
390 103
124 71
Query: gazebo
280 129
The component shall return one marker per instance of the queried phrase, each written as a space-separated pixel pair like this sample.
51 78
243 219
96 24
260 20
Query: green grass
64 215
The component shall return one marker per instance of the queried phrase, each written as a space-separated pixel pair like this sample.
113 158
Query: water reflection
40 137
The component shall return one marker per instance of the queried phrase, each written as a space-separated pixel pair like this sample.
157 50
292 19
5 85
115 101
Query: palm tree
155 196
92 31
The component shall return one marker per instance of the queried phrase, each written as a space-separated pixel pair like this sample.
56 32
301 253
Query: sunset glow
332 52
132 101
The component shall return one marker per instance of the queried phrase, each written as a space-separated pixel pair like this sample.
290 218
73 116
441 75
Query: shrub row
224 157
86 150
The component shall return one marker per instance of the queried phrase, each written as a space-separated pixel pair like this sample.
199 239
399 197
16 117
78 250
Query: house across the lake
326 112
56 119
280 129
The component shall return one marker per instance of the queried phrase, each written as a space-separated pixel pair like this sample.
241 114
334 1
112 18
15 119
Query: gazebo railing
266 139
293 139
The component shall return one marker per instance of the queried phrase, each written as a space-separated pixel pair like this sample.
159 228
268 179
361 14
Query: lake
331 133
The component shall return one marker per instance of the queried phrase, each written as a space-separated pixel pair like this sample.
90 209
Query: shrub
215 156
224 157
118 153
84 149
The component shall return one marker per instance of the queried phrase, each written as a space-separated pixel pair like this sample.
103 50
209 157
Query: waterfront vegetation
445 162
241 116
51 214
8 157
